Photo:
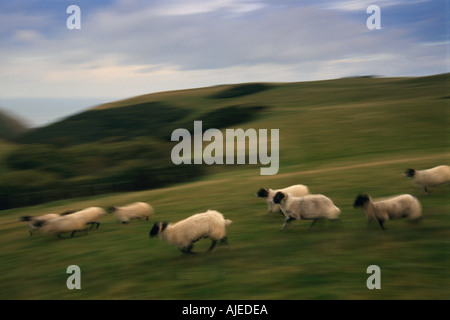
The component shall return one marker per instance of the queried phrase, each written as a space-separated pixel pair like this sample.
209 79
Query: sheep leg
286 221
213 244
187 249
314 221
426 190
380 222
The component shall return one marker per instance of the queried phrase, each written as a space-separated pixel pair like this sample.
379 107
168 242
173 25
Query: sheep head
111 209
410 173
262 193
157 228
279 197
39 223
361 200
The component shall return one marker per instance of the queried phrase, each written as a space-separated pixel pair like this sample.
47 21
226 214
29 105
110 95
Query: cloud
361 5
189 7
134 47
27 35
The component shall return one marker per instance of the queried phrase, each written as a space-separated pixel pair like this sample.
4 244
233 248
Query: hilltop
10 127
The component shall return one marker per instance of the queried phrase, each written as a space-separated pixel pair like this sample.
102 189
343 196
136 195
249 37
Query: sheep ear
164 225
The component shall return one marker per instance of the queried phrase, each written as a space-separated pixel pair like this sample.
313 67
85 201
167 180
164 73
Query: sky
126 48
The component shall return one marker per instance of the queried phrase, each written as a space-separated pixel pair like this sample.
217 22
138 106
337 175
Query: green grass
338 137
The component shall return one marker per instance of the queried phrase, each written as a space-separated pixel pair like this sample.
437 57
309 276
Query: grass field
339 137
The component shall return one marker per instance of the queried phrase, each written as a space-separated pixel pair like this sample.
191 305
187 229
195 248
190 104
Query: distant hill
149 117
10 127
125 145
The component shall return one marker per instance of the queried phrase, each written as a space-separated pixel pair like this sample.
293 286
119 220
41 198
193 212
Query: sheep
35 222
70 221
137 210
63 224
314 207
430 177
90 215
298 190
395 207
183 234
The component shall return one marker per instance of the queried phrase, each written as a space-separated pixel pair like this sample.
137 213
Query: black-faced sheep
90 215
316 206
63 224
71 222
267 194
402 206
183 234
137 210
34 223
429 177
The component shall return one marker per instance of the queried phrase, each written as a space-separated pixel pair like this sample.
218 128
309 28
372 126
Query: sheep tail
227 222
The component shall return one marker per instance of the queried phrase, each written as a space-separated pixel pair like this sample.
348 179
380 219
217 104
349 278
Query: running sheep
308 207
429 177
63 224
90 215
71 222
35 222
401 206
137 210
183 234
267 194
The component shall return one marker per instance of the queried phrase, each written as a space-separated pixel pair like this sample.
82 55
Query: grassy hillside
10 127
339 137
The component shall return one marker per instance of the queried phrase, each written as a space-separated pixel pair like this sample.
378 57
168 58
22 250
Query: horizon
72 106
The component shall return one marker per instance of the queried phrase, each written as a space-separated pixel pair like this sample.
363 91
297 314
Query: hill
10 127
127 143
340 137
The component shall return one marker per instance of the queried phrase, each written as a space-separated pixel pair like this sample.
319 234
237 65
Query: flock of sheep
295 202
73 221
183 234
